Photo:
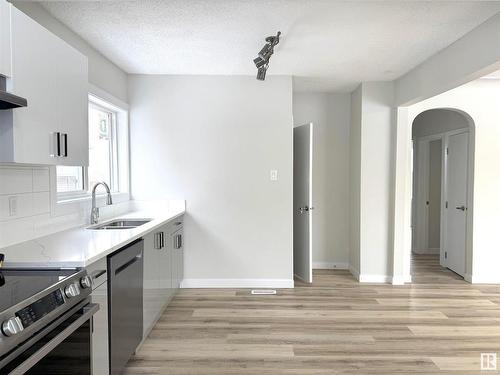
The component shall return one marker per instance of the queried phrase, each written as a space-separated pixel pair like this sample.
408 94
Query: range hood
8 100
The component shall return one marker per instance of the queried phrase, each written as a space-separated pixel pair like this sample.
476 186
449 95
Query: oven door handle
89 310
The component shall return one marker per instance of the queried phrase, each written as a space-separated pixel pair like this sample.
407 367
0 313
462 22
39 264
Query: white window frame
121 171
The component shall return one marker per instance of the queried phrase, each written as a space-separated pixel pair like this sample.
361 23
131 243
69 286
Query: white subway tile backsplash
23 206
16 180
41 180
41 203
36 215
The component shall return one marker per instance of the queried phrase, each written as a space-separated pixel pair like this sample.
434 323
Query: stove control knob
72 290
86 282
12 326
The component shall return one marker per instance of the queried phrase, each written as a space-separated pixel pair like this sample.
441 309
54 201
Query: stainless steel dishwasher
125 304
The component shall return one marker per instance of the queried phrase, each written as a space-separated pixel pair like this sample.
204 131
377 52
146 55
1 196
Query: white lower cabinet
163 260
100 340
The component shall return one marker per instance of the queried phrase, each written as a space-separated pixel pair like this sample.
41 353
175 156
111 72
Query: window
102 147
107 134
70 179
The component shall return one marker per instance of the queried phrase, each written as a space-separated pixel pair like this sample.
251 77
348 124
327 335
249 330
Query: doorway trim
403 175
421 233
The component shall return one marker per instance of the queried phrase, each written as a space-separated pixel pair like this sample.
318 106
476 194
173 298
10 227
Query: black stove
32 299
17 285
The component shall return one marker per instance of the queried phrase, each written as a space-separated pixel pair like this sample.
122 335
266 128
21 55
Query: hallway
425 269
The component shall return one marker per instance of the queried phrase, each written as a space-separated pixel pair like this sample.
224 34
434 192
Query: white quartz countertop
80 247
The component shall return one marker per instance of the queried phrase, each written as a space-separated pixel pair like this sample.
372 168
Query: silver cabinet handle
461 208
64 145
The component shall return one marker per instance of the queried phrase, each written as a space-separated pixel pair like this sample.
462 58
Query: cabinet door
151 297
100 355
34 77
5 50
165 267
72 99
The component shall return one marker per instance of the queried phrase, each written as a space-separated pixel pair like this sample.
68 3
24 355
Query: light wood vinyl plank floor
438 324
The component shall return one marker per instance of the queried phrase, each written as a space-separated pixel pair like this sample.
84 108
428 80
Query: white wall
330 114
102 72
376 181
355 180
213 140
479 99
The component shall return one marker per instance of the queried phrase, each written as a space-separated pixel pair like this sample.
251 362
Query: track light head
261 73
259 62
264 55
266 52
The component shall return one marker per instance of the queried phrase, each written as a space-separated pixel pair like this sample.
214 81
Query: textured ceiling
326 45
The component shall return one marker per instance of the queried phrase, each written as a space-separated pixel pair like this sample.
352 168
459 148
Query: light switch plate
274 175
12 206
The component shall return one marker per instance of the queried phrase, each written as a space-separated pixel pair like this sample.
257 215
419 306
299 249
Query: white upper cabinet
5 52
52 76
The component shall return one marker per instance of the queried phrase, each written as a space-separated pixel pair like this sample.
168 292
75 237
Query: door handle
461 208
305 209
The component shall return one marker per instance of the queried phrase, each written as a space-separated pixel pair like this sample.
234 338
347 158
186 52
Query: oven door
63 347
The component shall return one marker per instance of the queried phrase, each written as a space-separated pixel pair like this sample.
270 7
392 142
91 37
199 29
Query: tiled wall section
28 209
24 196
23 192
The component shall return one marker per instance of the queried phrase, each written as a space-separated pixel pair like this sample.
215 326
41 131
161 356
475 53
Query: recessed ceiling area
326 45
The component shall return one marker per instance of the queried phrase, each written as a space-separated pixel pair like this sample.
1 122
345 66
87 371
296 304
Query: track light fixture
262 59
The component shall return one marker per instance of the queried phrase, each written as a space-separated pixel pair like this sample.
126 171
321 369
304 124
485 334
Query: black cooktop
17 285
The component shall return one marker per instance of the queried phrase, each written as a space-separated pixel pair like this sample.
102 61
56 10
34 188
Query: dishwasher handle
127 264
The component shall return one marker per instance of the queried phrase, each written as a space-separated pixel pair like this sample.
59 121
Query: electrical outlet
12 206
274 175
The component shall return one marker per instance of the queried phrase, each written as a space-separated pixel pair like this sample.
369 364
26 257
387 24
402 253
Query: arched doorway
441 194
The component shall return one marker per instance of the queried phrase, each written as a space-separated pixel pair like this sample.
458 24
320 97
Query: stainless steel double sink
120 224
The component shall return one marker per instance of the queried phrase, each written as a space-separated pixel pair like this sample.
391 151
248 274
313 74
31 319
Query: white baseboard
483 279
237 283
374 278
401 280
330 266
431 251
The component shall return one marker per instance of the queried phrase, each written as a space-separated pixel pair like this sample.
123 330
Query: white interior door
302 201
456 213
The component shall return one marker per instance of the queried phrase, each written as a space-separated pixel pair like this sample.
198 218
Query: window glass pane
69 179
100 146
